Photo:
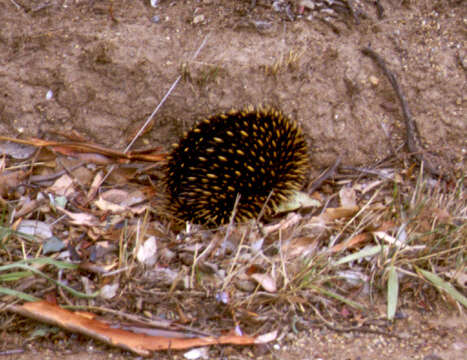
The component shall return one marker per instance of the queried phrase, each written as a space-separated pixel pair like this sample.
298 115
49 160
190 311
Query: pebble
374 80
156 19
432 357
198 19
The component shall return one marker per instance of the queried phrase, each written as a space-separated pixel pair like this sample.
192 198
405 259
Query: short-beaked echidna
255 153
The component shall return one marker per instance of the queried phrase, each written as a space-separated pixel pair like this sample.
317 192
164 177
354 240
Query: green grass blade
18 294
370 251
14 276
440 284
337 297
48 261
42 261
24 265
393 292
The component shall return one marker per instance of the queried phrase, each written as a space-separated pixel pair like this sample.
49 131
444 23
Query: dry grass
407 233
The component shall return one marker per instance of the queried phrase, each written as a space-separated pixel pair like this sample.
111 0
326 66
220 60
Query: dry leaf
96 183
266 281
108 206
141 344
348 197
10 180
63 186
37 229
352 242
304 246
147 253
80 218
337 213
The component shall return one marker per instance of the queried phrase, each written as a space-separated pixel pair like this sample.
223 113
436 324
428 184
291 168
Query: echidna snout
255 153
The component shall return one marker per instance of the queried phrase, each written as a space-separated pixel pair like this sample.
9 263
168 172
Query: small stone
156 19
198 19
374 80
432 357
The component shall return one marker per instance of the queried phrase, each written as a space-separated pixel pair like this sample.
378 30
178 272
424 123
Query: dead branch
413 140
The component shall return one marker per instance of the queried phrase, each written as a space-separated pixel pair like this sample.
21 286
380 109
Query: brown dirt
108 75
422 336
108 65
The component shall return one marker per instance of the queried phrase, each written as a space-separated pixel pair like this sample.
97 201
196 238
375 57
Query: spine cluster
256 154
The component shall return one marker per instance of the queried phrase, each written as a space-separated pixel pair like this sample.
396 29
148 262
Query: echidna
255 153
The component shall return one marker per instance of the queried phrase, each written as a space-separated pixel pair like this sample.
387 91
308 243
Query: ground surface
108 64
428 337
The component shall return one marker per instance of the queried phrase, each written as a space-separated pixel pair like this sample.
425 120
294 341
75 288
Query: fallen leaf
266 281
352 242
141 344
16 151
147 252
337 213
348 197
80 218
109 206
108 291
10 180
53 245
39 230
297 200
199 353
63 186
96 183
304 246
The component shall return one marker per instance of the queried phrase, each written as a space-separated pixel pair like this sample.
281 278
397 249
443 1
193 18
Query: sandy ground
108 65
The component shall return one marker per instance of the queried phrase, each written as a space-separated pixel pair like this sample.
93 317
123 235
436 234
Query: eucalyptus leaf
440 284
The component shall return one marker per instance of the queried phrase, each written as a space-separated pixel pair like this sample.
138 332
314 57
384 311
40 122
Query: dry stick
145 125
327 174
379 9
361 329
55 176
413 138
16 4
138 134
461 61
351 7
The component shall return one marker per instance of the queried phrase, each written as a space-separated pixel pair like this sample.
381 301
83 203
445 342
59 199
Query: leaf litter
279 264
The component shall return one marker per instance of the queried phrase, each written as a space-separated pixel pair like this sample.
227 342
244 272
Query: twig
40 7
352 11
141 320
149 119
12 352
379 9
327 174
461 61
175 83
361 329
412 135
51 177
380 174
16 4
